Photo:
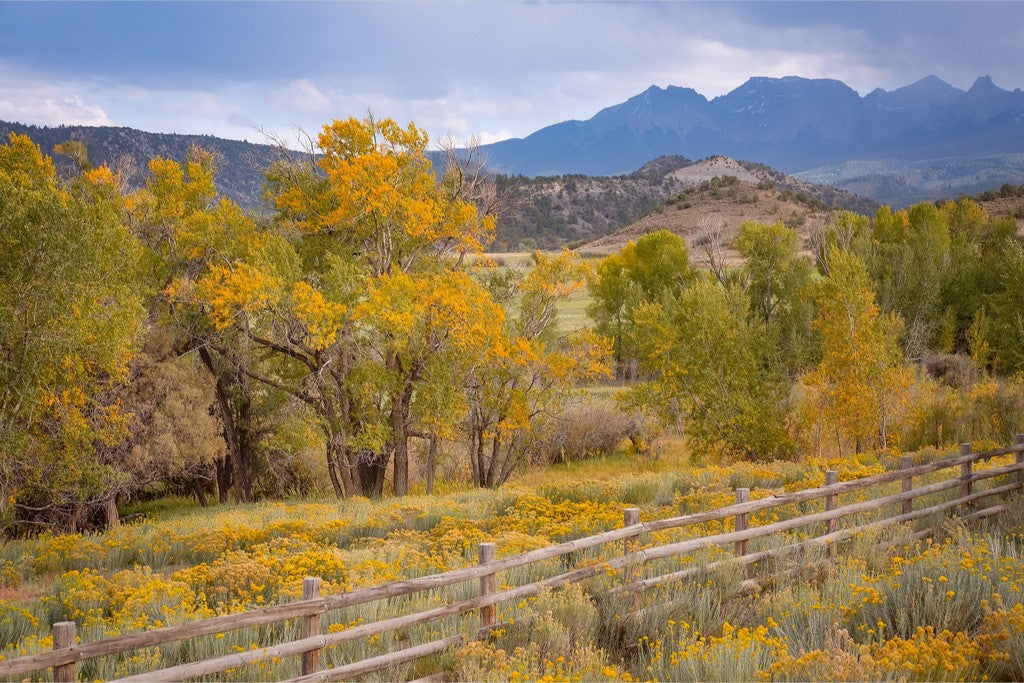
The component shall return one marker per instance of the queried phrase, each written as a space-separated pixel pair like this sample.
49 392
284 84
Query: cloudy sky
493 70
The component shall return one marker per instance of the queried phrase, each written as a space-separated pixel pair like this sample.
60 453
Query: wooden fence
67 653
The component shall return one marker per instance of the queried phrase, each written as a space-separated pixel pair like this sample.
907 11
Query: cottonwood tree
780 285
529 370
707 358
910 266
70 314
860 384
191 232
170 434
355 317
1006 334
655 266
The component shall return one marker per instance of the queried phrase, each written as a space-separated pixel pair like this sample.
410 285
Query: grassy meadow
948 608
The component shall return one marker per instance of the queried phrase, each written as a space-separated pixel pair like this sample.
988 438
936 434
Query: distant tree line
904 330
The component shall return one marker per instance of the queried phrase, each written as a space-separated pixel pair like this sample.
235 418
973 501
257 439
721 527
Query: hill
1006 202
931 137
240 163
549 211
718 206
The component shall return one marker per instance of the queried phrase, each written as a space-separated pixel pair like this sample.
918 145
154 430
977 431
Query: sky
461 70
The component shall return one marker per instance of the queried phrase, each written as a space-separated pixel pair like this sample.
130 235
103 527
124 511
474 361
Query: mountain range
922 141
925 141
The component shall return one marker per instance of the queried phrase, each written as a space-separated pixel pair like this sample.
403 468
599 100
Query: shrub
584 430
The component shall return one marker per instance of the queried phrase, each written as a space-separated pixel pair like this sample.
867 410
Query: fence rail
66 655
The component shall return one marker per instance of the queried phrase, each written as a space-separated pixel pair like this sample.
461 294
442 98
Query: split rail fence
67 653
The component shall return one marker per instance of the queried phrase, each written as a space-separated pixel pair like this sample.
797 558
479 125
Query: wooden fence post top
965 449
743 495
831 477
310 626
1018 439
906 462
63 638
487 551
64 634
631 516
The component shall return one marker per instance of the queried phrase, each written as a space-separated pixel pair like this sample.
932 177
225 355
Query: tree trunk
76 520
481 463
431 462
235 415
474 465
492 467
110 510
198 489
334 460
222 475
509 464
244 453
372 470
399 428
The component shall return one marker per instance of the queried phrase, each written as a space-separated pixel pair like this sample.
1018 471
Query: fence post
310 625
742 496
832 525
630 544
1018 440
906 462
64 639
488 584
965 471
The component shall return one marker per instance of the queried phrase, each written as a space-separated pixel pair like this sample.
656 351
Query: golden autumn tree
70 313
368 310
529 371
861 382
193 234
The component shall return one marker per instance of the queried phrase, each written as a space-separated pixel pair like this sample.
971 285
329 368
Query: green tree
779 284
655 266
70 314
911 267
708 359
1007 317
189 232
847 231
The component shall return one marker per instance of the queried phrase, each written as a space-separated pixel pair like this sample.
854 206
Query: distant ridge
942 139
550 211
240 164
542 212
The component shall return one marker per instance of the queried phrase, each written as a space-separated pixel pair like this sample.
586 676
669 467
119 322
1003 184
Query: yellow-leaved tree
366 314
208 262
860 385
529 370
